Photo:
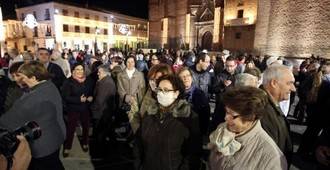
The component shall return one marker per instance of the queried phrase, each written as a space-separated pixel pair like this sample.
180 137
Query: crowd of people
164 97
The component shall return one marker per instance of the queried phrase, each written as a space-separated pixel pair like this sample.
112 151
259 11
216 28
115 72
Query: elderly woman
42 104
77 95
169 136
241 142
197 98
131 87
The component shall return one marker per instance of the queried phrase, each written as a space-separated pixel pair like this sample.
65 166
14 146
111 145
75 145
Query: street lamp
97 31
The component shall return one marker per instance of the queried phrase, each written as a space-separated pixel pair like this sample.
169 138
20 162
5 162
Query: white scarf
130 73
225 141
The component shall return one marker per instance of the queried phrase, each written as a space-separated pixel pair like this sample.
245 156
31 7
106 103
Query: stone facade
293 28
204 23
183 23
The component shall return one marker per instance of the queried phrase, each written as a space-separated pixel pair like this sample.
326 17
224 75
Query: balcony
239 22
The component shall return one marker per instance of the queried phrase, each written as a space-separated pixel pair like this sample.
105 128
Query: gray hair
245 79
105 68
274 72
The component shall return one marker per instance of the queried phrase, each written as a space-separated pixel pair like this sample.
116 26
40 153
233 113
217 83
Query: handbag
125 107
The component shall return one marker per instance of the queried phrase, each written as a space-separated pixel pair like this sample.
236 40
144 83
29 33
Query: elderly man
57 75
278 83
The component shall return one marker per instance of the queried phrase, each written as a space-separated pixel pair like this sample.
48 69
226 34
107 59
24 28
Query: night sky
137 8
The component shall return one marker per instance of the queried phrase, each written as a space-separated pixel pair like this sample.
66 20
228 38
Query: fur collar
181 109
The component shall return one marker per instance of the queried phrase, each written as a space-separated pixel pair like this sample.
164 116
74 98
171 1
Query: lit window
65 28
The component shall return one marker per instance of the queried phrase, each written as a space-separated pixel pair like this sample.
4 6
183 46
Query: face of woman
154 60
79 71
185 76
166 94
23 81
130 64
250 65
235 123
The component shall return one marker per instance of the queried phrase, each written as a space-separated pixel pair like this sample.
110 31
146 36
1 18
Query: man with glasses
223 81
57 75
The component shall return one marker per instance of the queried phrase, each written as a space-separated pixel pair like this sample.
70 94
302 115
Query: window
238 35
106 19
35 14
35 33
47 14
65 28
76 14
65 12
105 31
240 13
96 17
76 28
162 26
87 30
86 16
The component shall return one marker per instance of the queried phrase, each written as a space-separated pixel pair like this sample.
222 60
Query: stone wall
242 42
295 28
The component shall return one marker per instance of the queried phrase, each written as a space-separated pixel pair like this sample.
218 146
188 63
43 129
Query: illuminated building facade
210 24
75 27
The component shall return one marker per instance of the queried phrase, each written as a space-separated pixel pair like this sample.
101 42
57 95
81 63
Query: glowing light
187 28
57 11
216 29
30 21
165 31
2 28
123 28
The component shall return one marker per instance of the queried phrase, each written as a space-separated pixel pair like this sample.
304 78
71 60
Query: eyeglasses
232 114
164 91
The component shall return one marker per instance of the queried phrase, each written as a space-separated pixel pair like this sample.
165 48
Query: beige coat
258 152
134 87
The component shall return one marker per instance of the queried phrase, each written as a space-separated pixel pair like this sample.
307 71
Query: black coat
277 127
56 74
171 141
72 90
43 104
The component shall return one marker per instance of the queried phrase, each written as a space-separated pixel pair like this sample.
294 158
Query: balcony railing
238 22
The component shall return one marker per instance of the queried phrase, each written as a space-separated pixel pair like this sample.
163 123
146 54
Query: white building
75 27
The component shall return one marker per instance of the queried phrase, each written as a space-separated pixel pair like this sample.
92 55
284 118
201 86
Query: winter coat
202 79
56 74
42 104
200 104
170 141
104 94
72 90
277 126
134 87
258 151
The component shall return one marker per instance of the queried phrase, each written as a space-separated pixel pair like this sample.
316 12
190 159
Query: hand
227 82
83 98
90 99
322 155
215 157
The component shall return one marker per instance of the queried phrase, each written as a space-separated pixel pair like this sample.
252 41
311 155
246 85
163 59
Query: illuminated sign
30 21
123 29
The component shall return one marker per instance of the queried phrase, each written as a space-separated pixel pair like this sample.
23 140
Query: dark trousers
73 118
50 162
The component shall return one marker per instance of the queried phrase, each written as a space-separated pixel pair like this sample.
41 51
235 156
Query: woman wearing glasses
240 142
169 136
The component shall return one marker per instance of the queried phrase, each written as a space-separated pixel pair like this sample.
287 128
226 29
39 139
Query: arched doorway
207 40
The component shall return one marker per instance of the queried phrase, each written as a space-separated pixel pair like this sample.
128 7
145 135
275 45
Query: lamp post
97 31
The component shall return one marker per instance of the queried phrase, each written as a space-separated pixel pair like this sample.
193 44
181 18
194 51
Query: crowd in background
164 98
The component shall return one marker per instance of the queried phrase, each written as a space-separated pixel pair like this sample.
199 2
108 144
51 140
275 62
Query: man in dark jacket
223 81
201 76
278 83
55 71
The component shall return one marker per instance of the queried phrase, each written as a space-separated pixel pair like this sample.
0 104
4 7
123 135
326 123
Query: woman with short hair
241 142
